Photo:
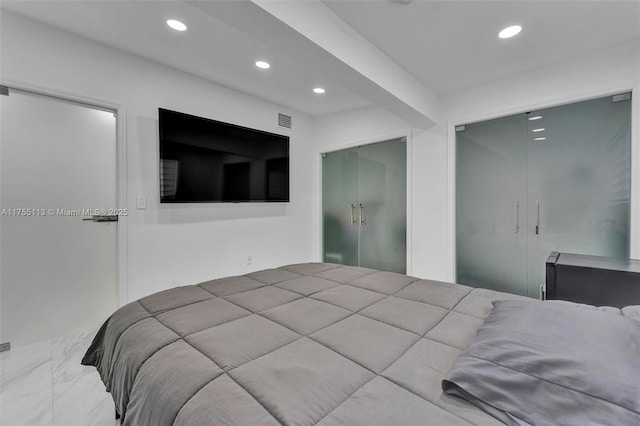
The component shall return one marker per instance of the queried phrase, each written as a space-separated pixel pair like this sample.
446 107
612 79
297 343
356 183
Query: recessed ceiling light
539 139
510 31
176 25
535 117
541 129
262 64
319 90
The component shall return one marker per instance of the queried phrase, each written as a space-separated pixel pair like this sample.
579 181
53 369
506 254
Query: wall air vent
284 120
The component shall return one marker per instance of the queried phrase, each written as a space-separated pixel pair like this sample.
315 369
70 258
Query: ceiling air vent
284 120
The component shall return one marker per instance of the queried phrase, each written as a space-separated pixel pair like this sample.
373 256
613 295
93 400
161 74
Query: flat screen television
208 161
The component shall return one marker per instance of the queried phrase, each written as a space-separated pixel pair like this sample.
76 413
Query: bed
327 344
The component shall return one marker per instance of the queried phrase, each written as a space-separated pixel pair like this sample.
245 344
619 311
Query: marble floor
44 384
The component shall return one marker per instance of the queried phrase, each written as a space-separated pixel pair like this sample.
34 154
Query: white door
57 167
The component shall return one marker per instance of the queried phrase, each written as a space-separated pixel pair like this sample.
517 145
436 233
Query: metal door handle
353 214
102 218
363 217
516 227
537 217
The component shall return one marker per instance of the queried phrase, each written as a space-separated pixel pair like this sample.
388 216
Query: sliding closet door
364 199
557 179
579 181
383 198
340 210
491 205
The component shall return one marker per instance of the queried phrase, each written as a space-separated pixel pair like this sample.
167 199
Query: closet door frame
634 231
408 135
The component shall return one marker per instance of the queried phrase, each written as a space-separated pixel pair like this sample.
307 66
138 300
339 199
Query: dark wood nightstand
594 280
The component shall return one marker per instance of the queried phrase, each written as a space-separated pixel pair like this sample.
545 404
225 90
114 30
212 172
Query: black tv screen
208 161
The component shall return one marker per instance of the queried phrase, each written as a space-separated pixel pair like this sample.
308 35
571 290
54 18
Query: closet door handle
537 217
353 214
363 217
516 212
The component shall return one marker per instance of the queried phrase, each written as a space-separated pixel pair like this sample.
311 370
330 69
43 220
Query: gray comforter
298 345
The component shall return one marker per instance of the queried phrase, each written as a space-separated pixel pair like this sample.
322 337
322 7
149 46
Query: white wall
169 245
588 76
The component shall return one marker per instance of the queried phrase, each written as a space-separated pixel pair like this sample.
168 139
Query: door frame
408 134
121 166
634 223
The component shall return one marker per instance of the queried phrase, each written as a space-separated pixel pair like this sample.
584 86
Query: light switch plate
141 202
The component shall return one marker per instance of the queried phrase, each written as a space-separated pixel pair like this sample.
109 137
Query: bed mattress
303 344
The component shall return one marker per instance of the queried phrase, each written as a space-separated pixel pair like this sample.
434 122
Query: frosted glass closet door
57 272
382 206
579 182
491 205
340 207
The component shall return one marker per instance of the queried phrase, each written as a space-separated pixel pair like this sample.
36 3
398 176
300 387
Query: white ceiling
446 45
452 45
209 48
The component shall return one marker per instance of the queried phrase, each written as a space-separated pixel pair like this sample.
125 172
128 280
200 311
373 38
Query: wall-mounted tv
208 161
